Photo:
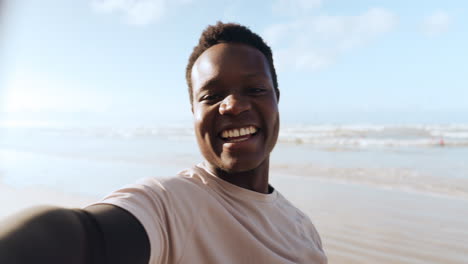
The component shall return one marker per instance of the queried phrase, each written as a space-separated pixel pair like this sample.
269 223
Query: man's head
234 98
229 33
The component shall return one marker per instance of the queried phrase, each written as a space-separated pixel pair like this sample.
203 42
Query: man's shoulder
186 185
185 180
163 194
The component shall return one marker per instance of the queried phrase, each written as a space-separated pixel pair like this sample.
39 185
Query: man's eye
210 97
256 90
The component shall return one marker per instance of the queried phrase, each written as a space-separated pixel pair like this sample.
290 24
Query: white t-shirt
197 217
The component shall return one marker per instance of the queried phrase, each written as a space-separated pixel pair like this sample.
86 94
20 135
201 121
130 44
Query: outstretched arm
99 234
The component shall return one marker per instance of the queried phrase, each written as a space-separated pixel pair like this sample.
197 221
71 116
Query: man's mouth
238 134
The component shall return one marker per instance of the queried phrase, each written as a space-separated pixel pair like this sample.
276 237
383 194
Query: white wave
380 136
357 135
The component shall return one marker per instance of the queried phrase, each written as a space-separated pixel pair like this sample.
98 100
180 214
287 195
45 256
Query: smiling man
235 107
222 210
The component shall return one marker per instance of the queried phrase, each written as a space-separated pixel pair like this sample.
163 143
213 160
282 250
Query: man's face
235 107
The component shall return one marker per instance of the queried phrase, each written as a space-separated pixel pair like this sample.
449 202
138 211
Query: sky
122 62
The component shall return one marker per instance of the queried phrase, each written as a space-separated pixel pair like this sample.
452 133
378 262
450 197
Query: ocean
430 159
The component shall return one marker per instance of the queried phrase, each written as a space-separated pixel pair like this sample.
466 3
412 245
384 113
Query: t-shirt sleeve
146 201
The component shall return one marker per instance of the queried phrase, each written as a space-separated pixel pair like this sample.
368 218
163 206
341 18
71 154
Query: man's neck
255 180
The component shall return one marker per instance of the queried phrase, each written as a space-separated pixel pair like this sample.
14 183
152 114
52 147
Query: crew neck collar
238 192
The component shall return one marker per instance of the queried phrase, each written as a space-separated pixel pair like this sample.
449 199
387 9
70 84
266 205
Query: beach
357 224
14 199
377 204
362 224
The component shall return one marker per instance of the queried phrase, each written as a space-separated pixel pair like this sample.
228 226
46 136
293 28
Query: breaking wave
379 136
319 135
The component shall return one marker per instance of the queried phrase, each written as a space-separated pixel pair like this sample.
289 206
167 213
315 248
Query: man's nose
234 105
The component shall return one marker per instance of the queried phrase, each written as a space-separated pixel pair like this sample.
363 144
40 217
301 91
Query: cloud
436 23
295 7
136 12
316 42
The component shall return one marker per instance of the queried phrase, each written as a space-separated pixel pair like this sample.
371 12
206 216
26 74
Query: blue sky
122 62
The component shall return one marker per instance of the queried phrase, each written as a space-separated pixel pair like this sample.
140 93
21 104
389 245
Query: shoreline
402 180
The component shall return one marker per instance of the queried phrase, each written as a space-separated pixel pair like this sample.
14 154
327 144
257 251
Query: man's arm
98 234
126 240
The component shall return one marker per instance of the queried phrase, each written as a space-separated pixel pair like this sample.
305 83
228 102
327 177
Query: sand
363 224
357 223
14 199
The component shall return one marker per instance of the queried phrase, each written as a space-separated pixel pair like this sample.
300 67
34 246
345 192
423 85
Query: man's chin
238 166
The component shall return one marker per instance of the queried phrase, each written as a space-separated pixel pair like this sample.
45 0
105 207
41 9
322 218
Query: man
220 211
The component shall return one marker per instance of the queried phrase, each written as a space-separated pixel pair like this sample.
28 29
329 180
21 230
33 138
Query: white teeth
243 131
238 132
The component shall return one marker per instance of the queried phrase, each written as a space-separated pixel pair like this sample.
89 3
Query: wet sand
14 199
357 223
363 224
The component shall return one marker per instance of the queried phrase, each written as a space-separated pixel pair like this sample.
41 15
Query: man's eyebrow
256 75
209 83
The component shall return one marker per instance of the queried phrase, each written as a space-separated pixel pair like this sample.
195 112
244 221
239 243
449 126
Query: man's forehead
246 61
220 52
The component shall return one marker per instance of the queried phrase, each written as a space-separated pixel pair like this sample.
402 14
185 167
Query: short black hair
229 33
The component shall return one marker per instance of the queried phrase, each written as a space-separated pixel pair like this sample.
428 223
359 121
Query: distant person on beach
222 210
